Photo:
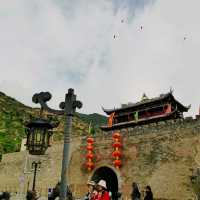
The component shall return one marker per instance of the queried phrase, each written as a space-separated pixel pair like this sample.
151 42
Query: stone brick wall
162 155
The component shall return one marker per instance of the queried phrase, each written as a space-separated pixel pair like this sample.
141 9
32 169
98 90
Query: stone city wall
162 155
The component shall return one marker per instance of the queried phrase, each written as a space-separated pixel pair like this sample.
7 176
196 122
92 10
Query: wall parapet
169 126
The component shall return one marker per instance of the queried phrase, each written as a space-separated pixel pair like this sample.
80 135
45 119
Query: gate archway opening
109 175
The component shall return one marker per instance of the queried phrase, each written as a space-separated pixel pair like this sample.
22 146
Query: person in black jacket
148 193
135 195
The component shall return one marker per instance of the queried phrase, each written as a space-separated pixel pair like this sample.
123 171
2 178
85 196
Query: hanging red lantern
116 154
90 165
90 156
117 145
116 135
90 147
117 163
90 140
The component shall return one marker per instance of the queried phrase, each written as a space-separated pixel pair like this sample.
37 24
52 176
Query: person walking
102 191
135 195
148 193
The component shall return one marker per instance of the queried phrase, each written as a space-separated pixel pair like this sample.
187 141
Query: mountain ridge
14 115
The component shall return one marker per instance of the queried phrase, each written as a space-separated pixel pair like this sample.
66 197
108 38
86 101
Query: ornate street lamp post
38 133
35 166
67 109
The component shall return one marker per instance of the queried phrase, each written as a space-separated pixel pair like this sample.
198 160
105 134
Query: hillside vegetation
95 119
14 115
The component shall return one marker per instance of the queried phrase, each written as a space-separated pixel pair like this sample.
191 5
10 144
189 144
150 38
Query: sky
109 51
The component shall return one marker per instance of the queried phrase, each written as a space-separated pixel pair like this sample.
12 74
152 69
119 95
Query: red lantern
90 156
90 165
116 154
116 135
90 140
117 163
117 145
90 147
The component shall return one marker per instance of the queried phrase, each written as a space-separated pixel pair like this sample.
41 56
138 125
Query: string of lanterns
117 153
90 153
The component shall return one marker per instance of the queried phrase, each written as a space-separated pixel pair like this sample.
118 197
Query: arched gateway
110 177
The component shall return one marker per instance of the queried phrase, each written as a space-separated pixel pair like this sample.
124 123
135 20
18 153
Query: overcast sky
109 51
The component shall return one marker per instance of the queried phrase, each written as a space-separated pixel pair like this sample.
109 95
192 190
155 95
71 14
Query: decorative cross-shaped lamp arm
68 109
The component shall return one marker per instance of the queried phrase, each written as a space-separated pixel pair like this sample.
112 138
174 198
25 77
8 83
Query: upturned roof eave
183 108
109 111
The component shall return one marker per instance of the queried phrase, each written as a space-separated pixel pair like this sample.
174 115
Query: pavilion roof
146 102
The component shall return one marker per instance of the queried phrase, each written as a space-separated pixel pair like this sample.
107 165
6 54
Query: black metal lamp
35 166
39 132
